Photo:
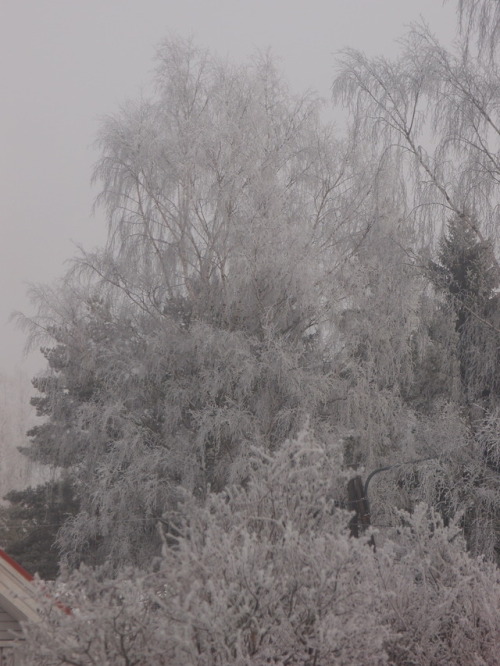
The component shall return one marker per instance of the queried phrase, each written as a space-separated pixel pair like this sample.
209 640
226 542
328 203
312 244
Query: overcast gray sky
65 63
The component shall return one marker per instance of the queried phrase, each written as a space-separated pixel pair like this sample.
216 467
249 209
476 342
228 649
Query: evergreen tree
467 271
467 274
30 524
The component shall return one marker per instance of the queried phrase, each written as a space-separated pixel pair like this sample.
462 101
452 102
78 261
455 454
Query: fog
66 64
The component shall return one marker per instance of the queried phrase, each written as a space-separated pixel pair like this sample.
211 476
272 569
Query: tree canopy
278 311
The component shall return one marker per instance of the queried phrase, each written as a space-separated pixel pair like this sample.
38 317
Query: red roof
15 565
25 574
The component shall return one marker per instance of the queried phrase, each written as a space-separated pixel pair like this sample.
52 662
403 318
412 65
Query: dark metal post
357 498
357 502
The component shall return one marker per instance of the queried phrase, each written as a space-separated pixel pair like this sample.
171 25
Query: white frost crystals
268 572
274 313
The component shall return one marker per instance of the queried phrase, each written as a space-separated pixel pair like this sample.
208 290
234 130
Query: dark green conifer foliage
467 274
467 270
30 524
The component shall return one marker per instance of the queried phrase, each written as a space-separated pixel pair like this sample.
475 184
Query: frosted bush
267 573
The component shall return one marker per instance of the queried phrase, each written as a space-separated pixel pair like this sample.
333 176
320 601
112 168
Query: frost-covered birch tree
480 25
201 329
274 311
434 113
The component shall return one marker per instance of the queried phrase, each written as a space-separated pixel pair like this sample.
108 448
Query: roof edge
15 565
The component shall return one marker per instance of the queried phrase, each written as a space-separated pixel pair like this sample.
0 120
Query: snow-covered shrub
442 604
267 573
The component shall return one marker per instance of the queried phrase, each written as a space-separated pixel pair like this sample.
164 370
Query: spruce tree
31 521
467 274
